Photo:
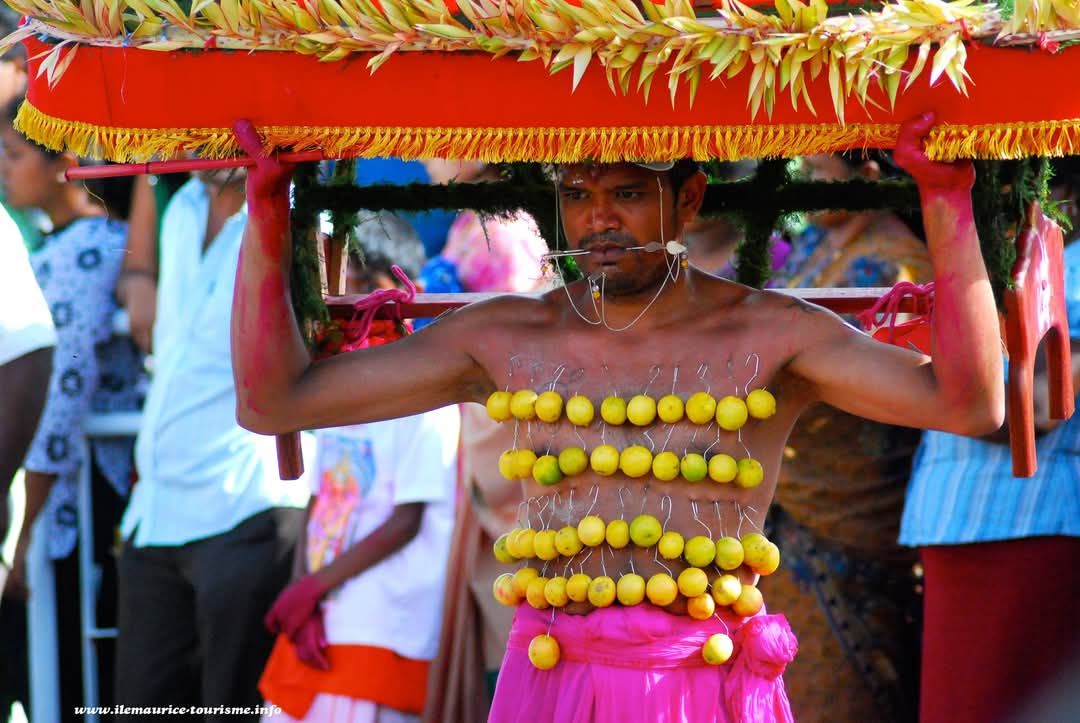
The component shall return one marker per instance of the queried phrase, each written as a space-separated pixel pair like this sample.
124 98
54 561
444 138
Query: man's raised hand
270 176
930 175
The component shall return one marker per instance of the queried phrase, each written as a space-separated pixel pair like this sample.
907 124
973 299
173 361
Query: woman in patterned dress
77 266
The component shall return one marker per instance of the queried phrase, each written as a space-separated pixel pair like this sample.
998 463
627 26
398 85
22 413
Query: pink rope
888 307
364 311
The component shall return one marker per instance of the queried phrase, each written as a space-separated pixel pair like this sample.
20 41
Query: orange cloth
363 672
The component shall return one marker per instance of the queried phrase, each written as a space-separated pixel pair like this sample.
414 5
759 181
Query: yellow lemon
641 410
498 406
729 553
700 408
506 464
661 589
750 473
602 591
577 587
502 554
670 545
573 460
700 551
770 561
630 590
604 460
670 408
548 407
726 589
617 534
693 582
579 410
523 544
635 461
731 413
544 545
761 404
512 540
524 459
613 410
522 404
645 530
546 470
534 593
555 592
755 549
717 649
748 603
701 607
590 530
567 542
722 468
693 467
522 578
665 466
504 591
544 652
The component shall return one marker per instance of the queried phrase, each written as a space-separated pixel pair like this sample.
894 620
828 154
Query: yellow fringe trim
561 145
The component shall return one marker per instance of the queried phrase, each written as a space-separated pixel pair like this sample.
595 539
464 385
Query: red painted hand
269 177
310 642
294 606
930 175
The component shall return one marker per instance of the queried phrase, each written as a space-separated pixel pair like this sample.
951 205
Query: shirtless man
627 334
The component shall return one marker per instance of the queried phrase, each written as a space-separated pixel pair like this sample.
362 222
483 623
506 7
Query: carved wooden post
1034 309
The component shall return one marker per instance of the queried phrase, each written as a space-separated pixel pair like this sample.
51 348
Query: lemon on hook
498 406
548 406
522 404
761 404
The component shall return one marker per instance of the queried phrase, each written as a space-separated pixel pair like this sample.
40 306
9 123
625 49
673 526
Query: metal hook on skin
719 516
558 373
595 496
697 518
622 504
654 372
757 368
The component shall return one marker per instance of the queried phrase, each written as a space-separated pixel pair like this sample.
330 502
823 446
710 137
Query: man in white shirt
27 338
210 527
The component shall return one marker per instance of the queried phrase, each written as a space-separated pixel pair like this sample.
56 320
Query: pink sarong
630 664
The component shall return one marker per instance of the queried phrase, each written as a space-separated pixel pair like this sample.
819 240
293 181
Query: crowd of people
922 581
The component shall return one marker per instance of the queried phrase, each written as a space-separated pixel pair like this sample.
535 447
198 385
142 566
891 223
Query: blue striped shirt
962 490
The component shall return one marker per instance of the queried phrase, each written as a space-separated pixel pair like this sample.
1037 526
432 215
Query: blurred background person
1001 554
359 626
27 338
76 265
847 587
210 528
483 255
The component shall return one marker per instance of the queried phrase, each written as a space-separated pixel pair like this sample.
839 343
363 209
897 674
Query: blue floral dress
93 370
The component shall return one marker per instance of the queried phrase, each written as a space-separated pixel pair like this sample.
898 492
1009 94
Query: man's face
609 208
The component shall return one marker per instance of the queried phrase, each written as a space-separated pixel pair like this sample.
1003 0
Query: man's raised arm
958 389
278 388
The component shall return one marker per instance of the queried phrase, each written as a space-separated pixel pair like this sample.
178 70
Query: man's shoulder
515 309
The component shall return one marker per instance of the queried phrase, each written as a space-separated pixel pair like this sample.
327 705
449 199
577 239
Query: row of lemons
727 553
730 412
634 461
702 595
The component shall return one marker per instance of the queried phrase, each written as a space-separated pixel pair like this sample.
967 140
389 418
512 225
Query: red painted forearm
269 354
268 351
965 335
